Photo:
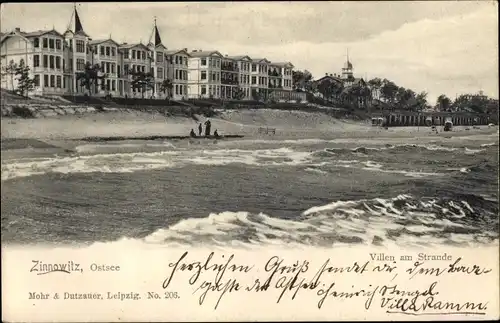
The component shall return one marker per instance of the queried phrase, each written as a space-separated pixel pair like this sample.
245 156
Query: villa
57 59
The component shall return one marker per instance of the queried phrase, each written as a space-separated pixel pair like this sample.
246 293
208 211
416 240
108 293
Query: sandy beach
288 125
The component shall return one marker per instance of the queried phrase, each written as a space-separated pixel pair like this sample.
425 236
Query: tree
10 69
376 85
302 80
142 81
90 76
443 103
166 87
25 84
330 89
421 101
239 94
389 90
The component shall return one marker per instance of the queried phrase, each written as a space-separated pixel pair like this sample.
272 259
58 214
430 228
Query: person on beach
200 129
192 134
216 134
208 125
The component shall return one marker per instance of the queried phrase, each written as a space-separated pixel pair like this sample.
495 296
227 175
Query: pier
414 119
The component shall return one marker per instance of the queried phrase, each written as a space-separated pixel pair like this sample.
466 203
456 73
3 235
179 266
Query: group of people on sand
208 125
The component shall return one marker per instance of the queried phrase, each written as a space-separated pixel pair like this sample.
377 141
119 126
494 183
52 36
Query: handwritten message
216 276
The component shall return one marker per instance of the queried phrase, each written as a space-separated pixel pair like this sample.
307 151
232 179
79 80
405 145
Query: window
203 75
125 69
113 51
36 80
45 42
159 72
176 89
218 76
51 43
159 57
176 59
125 53
112 68
204 62
52 81
118 71
101 50
254 80
59 85
133 54
180 89
213 76
58 62
108 51
143 55
64 82
108 67
113 85
46 81
36 43
203 89
51 61
80 46
80 64
254 67
176 74
70 44
217 61
58 44
36 60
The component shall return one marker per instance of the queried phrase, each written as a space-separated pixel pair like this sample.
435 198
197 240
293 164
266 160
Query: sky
441 47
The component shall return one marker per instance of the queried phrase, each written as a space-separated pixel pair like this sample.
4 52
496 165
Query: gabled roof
27 35
283 64
205 53
259 60
176 51
330 78
128 46
100 41
240 57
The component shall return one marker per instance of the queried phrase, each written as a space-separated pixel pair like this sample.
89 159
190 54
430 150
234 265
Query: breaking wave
403 220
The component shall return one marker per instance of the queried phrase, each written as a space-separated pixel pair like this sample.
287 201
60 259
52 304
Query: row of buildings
56 59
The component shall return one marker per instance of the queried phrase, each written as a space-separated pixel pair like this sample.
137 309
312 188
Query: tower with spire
78 53
158 63
347 70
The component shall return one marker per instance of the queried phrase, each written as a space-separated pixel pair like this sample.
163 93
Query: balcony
229 67
274 73
229 81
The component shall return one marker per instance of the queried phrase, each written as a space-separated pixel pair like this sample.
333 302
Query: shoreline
63 133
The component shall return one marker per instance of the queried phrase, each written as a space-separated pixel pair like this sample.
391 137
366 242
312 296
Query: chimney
18 29
195 50
331 75
326 74
185 49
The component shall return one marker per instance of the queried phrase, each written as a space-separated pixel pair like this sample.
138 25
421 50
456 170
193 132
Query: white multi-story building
178 72
43 51
243 63
229 78
58 61
204 74
259 77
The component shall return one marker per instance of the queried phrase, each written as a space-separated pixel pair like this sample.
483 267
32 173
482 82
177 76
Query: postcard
249 161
